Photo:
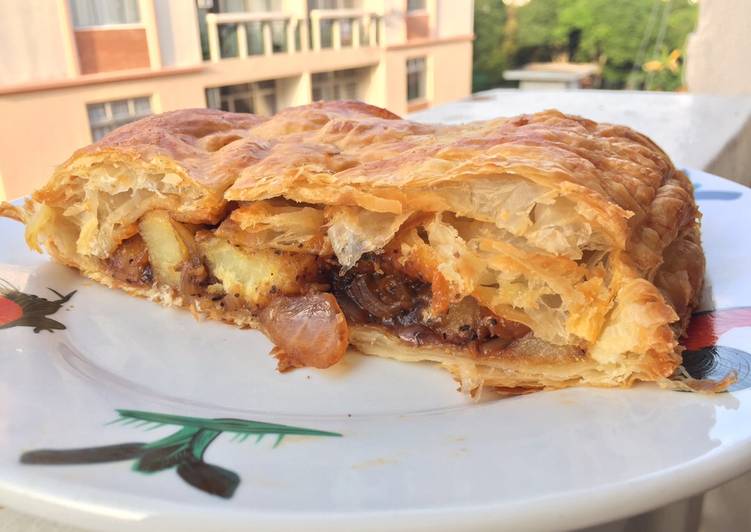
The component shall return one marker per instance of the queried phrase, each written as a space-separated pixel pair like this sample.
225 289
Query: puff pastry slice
540 251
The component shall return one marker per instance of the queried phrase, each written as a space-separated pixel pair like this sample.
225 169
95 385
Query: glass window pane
242 105
350 91
99 13
213 98
97 113
327 39
345 27
204 33
279 36
364 32
416 78
231 6
254 31
98 132
142 106
104 117
120 109
263 5
269 102
411 87
228 40
258 97
415 5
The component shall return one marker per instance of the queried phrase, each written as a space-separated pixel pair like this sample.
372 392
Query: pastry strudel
540 251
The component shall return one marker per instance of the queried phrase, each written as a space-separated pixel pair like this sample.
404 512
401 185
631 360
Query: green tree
488 58
613 33
620 35
610 33
539 38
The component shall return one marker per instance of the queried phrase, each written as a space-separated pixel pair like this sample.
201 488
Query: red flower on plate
18 309
10 311
704 359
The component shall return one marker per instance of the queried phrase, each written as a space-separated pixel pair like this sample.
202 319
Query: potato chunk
169 245
259 274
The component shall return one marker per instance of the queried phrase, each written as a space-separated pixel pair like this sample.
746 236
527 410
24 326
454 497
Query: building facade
75 69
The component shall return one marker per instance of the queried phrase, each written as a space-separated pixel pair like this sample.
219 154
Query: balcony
244 35
361 28
244 24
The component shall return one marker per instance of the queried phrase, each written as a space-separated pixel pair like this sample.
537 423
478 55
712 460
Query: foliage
488 59
613 33
539 38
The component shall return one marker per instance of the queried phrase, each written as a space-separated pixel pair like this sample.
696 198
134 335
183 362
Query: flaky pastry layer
583 234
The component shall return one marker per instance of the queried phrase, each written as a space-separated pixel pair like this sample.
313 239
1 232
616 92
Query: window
250 6
345 31
88 13
327 33
228 40
258 98
279 36
416 79
254 37
339 85
415 5
106 116
333 4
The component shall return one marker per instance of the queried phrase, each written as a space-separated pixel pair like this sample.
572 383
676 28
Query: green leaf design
183 450
240 426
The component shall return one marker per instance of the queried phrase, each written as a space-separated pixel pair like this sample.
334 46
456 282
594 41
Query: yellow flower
653 66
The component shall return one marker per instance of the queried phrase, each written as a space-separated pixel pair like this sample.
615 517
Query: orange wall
49 125
104 50
449 73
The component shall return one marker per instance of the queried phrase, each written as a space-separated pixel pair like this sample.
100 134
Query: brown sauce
374 293
130 263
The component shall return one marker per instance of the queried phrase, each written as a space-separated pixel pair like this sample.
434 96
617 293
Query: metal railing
296 37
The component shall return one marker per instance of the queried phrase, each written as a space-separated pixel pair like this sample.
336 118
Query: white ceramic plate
371 445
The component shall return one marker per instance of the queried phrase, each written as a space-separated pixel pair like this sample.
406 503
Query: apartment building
75 69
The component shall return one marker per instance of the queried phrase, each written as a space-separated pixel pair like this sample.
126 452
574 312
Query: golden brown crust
584 232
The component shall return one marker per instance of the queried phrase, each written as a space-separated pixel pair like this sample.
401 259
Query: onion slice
309 331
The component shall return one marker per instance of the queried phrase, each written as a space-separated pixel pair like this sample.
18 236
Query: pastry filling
304 302
375 293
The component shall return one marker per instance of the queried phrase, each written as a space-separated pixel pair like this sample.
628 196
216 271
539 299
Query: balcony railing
363 27
355 18
241 21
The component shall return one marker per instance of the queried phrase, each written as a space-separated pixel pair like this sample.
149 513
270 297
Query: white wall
718 53
179 38
31 42
454 17
393 25
294 90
